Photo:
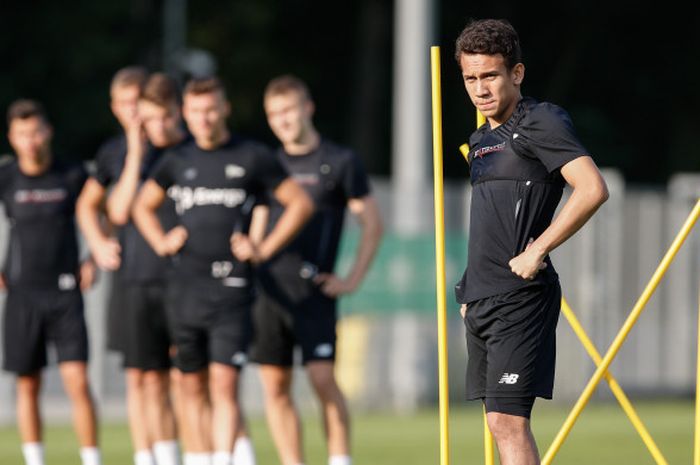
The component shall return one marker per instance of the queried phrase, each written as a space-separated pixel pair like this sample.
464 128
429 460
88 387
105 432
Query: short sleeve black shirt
139 263
214 192
43 247
331 175
516 187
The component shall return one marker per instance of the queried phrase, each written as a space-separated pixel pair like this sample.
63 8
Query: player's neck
217 140
35 166
501 118
307 143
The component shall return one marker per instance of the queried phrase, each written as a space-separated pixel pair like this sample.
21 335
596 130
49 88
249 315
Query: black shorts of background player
44 278
298 289
519 161
138 298
213 180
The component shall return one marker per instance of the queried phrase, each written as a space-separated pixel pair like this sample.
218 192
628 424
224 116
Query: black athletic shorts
511 343
116 319
290 310
36 317
209 322
146 338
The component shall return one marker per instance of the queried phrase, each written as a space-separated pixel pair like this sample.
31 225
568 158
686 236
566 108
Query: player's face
289 116
124 104
30 137
206 115
492 87
161 124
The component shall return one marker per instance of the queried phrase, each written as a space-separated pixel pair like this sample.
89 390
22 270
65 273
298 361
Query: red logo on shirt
483 151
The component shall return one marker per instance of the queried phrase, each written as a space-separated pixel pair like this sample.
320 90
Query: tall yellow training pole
622 335
489 453
696 451
440 257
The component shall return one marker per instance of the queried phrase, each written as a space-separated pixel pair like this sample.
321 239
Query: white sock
197 458
339 460
90 456
221 457
33 453
166 452
243 452
144 457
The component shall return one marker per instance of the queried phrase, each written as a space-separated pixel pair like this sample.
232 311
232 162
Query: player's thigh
315 322
67 328
24 339
273 338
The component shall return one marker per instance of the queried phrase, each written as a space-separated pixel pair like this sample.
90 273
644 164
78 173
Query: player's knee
503 425
29 385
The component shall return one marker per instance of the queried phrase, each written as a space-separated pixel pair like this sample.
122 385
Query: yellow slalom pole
622 335
488 438
614 386
440 257
696 452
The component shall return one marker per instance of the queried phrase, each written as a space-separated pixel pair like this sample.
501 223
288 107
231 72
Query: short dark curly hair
490 37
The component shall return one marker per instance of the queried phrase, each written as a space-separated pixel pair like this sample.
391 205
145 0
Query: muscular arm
146 220
258 223
104 249
589 193
298 209
367 214
121 198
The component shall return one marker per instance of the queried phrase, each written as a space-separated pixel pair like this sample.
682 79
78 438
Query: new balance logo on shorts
509 378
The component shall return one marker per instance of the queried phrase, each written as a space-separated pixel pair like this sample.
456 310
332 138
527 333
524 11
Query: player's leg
225 413
511 431
150 351
135 407
28 415
184 313
272 349
75 381
68 332
24 349
334 410
315 327
521 349
281 413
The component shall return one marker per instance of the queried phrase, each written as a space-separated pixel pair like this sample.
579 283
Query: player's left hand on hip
529 263
332 285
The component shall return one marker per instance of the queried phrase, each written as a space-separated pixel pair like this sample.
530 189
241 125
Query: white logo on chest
234 171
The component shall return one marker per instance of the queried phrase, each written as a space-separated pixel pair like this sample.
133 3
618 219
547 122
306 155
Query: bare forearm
88 217
148 224
120 201
580 207
290 223
367 249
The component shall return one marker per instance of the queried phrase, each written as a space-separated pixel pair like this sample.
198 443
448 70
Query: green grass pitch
602 436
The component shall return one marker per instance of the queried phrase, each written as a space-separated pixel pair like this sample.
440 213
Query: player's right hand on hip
107 254
463 311
173 241
243 249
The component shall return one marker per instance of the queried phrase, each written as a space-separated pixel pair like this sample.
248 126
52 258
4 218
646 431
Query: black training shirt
516 187
139 263
331 175
214 193
43 247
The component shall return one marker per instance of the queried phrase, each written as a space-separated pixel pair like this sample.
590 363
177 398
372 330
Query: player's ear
518 74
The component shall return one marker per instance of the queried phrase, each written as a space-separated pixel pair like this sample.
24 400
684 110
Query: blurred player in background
214 180
297 305
44 279
142 335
